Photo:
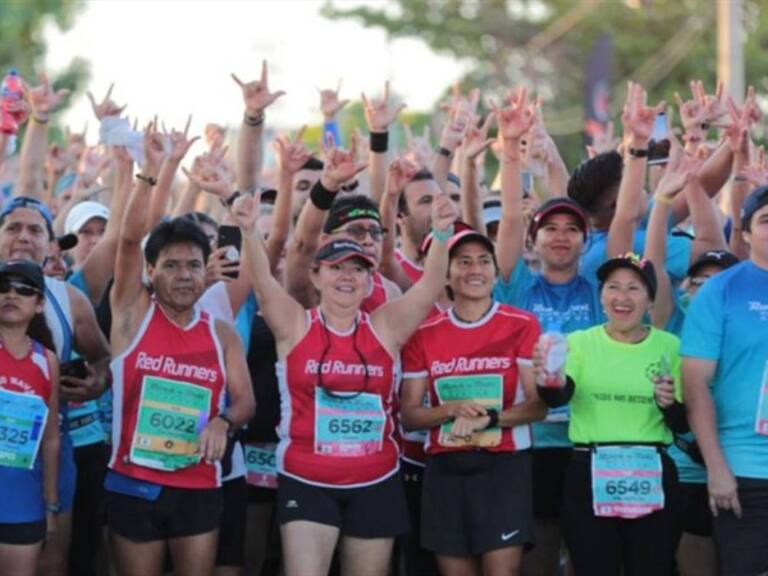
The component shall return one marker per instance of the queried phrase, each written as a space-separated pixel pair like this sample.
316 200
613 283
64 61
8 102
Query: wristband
254 121
379 141
738 178
321 197
148 179
638 152
493 418
442 236
230 424
53 507
443 151
664 199
227 202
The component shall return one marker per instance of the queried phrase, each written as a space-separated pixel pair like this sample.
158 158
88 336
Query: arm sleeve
556 397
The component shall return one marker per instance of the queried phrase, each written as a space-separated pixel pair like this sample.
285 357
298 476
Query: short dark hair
201 218
312 164
423 174
177 231
593 178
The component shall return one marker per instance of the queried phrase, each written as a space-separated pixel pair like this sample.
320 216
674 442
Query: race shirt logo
760 308
167 366
462 364
340 368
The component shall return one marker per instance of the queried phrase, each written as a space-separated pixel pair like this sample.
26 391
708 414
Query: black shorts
549 466
261 495
231 547
177 512
23 533
742 543
476 502
697 518
376 511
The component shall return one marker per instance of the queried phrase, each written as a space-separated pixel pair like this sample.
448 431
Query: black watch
638 152
443 151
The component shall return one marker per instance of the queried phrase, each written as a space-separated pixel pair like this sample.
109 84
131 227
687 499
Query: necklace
465 321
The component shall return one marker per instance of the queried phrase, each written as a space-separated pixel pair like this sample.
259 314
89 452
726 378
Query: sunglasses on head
19 287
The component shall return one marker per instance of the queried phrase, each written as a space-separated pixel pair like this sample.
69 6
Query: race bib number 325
170 418
22 421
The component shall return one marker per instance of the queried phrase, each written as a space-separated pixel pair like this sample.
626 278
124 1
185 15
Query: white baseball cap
81 213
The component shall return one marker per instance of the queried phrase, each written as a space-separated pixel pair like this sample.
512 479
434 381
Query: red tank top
337 430
167 386
476 361
411 269
28 375
377 296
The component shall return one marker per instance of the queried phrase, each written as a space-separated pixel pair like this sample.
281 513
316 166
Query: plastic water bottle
11 92
555 352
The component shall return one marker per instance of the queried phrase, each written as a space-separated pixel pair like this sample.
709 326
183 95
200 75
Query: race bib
761 424
170 418
485 389
84 423
260 464
348 426
22 422
626 481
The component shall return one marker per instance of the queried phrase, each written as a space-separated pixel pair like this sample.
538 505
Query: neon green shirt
613 399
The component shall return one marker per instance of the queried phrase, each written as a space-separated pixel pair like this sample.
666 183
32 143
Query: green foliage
545 44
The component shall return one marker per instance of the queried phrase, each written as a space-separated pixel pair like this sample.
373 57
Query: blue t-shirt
727 322
678 254
573 306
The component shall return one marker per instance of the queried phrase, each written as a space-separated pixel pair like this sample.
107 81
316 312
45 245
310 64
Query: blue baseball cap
31 203
756 200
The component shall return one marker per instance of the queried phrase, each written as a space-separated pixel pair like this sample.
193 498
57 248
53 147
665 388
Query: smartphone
231 238
658 147
526 183
75 368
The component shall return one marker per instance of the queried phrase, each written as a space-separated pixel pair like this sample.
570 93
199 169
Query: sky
174 57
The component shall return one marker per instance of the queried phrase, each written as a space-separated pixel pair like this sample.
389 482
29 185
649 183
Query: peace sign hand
106 107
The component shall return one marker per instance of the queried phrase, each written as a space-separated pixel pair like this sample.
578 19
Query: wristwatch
230 424
638 152
53 507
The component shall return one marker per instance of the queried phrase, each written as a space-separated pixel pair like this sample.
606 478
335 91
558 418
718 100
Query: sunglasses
19 287
359 232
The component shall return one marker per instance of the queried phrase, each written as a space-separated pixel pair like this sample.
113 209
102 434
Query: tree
545 44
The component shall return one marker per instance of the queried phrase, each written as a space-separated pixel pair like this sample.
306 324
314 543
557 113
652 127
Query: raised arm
514 121
638 120
257 98
396 320
339 166
460 118
379 114
284 315
476 144
42 101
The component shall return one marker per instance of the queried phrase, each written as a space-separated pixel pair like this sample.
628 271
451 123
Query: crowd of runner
372 361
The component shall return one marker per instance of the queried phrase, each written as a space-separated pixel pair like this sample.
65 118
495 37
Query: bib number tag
761 424
348 427
170 418
626 481
485 389
260 464
84 423
22 422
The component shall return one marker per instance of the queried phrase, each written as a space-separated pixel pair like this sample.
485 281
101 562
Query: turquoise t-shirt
727 323
573 306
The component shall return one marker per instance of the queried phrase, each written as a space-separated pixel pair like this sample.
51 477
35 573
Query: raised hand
42 99
756 172
256 94
245 212
444 213
379 114
330 103
680 171
180 142
638 118
291 154
419 148
154 148
400 172
605 142
476 141
218 268
211 175
340 165
517 118
92 163
58 160
106 107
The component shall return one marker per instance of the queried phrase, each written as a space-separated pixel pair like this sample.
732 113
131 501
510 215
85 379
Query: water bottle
11 93
554 352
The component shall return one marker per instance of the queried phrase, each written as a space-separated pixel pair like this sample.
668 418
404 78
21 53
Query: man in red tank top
173 367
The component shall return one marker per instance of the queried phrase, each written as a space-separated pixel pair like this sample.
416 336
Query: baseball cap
81 213
30 272
67 242
470 235
756 200
643 267
338 251
31 203
558 205
721 258
341 213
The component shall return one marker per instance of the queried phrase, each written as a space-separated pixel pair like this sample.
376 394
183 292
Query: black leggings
612 546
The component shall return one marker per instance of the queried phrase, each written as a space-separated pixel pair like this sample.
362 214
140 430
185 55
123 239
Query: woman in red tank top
337 366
